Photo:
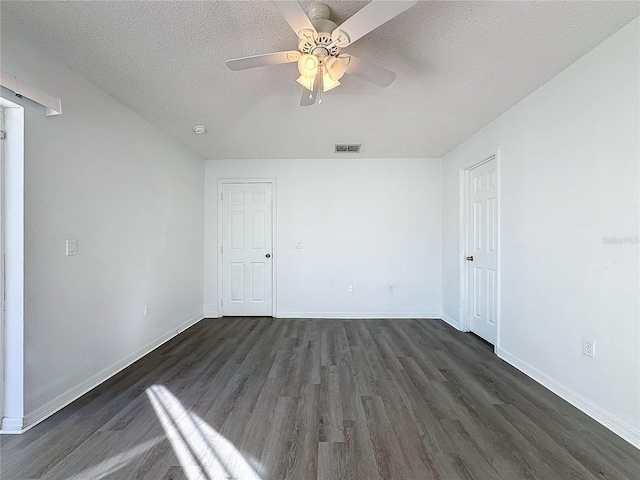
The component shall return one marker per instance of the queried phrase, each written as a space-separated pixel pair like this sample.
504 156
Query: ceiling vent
347 148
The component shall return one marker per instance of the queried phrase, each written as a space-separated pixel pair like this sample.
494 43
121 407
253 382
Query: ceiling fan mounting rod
318 11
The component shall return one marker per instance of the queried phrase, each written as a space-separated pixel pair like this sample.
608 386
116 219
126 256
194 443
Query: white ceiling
459 66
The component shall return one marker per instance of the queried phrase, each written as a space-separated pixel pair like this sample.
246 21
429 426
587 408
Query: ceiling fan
321 61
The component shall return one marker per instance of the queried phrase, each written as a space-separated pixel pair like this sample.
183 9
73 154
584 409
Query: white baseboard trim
613 423
358 315
213 314
11 425
61 401
451 321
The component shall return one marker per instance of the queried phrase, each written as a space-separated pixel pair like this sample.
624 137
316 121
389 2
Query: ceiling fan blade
309 98
295 17
370 17
370 72
262 60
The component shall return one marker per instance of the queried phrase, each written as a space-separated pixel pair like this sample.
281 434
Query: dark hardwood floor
263 398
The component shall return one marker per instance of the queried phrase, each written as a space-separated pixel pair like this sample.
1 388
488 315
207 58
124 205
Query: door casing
12 418
2 215
274 255
465 223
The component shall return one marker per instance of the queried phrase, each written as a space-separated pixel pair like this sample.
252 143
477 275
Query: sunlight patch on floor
203 453
117 462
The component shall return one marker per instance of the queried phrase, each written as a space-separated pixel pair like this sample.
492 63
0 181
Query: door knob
470 258
268 255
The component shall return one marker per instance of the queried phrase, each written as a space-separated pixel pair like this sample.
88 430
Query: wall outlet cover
589 347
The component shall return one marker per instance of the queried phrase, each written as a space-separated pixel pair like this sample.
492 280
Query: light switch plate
72 247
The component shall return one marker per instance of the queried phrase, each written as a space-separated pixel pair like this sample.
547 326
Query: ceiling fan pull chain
320 78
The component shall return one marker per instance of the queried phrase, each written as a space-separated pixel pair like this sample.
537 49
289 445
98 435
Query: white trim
61 401
2 273
621 428
212 314
450 320
464 323
462 229
498 255
11 425
13 224
52 105
360 315
274 253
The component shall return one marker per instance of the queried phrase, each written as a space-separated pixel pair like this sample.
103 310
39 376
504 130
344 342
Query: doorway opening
3 134
12 265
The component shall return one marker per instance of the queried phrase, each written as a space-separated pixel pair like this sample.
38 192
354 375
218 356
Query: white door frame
274 257
465 324
12 419
2 228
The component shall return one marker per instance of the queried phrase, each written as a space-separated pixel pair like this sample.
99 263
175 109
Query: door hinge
3 135
221 303
221 196
220 248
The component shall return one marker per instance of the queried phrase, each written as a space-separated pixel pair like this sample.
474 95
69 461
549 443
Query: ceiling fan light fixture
306 82
308 65
328 83
336 67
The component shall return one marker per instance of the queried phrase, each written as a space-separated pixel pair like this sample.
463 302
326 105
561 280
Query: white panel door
246 249
483 250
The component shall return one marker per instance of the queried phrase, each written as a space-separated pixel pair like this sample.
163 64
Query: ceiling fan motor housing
318 14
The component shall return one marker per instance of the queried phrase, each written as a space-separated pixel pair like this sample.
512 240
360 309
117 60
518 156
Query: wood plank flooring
262 398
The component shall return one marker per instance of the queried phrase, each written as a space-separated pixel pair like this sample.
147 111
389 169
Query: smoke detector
199 129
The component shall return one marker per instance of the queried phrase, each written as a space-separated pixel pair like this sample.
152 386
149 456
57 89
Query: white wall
570 177
133 198
364 222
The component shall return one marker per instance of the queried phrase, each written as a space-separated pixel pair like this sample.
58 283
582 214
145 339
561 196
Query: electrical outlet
391 287
298 245
350 288
589 347
147 309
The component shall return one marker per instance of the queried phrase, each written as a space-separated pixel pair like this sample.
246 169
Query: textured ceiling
459 66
